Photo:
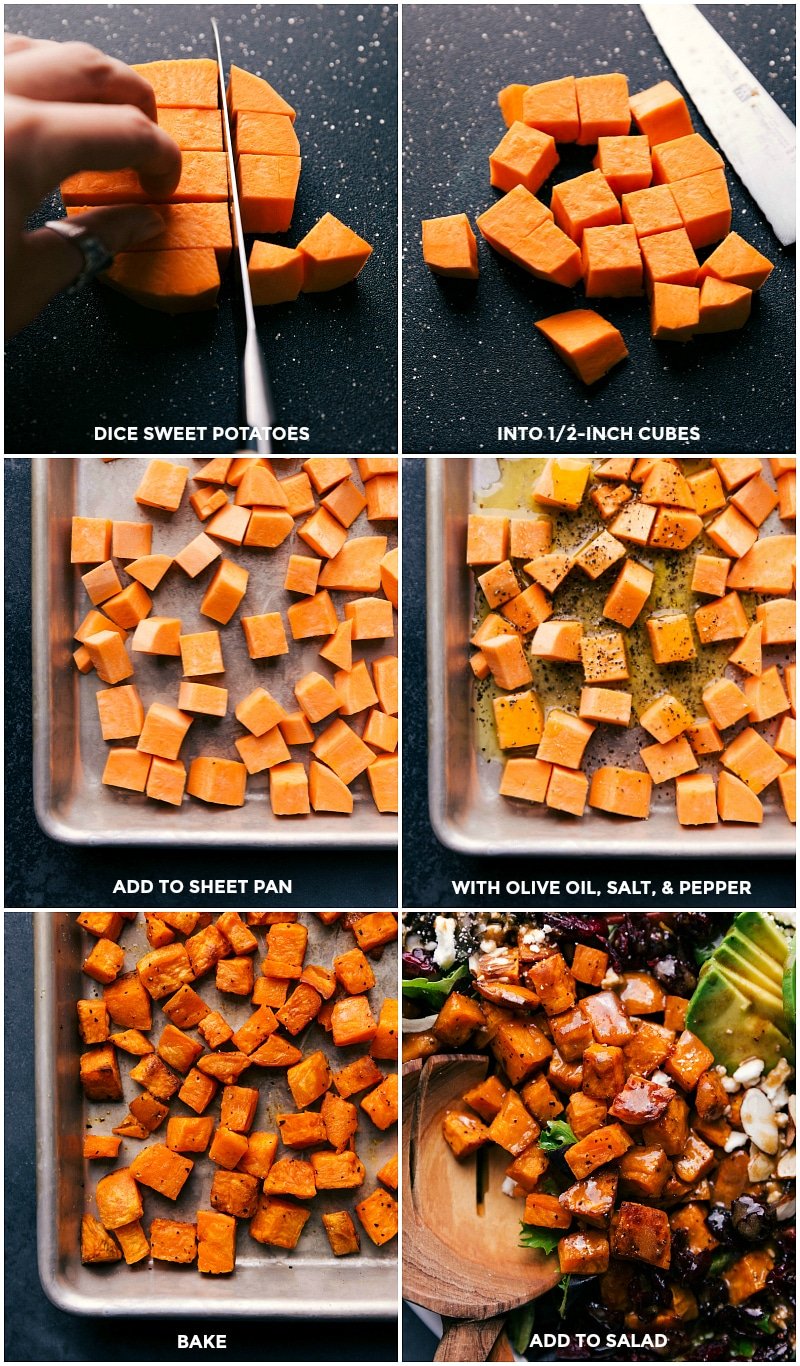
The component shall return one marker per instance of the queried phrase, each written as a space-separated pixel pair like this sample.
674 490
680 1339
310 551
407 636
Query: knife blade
758 139
259 412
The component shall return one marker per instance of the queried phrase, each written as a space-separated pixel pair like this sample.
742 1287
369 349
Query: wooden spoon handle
502 1350
468 1339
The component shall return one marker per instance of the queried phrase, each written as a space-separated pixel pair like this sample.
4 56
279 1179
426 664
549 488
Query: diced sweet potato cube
585 1114
119 1201
342 1234
598 1148
97 1245
641 1233
643 1172
235 1193
584 1253
671 1131
278 1223
592 1200
641 1101
189 1135
487 1097
379 1216
172 1240
689 1059
352 1021
355 1077
216 1243
603 1071
99 1073
463 1133
309 1079
101 1147
520 1048
545 1211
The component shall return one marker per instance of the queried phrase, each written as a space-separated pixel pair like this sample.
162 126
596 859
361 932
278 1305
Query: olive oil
579 597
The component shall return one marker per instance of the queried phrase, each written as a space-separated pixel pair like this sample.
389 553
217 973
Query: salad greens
555 1136
434 993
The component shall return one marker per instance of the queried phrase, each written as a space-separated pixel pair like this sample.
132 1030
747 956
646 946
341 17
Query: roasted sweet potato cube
216 1243
276 1052
603 1071
675 1009
161 1169
671 1131
520 1048
158 934
338 1171
354 972
177 1049
388 1173
172 1240
609 1019
545 1211
641 1101
527 1169
384 1042
643 1172
379 1215
286 949
691 1218
352 1022
164 970
148 1112
291 1176
538 1097
553 983
585 1253
101 1147
321 979
235 1193
254 1031
748 1275
598 1148
278 1223
486 1097
463 1133
572 1033
731 1178
97 1244
355 1077
133 1241
99 1071
382 1104
156 1077
227 1148
713 1131
342 1233
375 929
641 994
340 1119
566 1076
238 1109
585 1114
93 1022
688 1060
305 1130
270 991
118 1198
105 961
235 976
206 948
128 1003
301 1008
185 1009
309 1079
711 1098
592 1200
189 1135
214 1029
260 1155
695 1161
102 924
589 965
197 1091
640 1233
224 1067
648 1048
241 939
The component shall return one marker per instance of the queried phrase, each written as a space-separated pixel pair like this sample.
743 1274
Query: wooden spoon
461 1253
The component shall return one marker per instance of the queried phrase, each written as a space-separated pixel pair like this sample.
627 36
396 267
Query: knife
755 134
257 402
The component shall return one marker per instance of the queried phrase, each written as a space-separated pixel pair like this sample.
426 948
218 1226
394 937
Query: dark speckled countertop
473 360
99 359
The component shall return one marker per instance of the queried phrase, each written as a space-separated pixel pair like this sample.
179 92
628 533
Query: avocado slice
730 1025
746 948
790 987
769 1004
728 957
764 932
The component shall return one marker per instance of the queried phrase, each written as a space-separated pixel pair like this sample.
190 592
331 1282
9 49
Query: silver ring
95 256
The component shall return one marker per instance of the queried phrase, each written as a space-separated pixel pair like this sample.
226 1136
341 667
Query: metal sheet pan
467 812
266 1282
69 753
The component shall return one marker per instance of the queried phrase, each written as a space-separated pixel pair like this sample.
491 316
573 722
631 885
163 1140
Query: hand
70 108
